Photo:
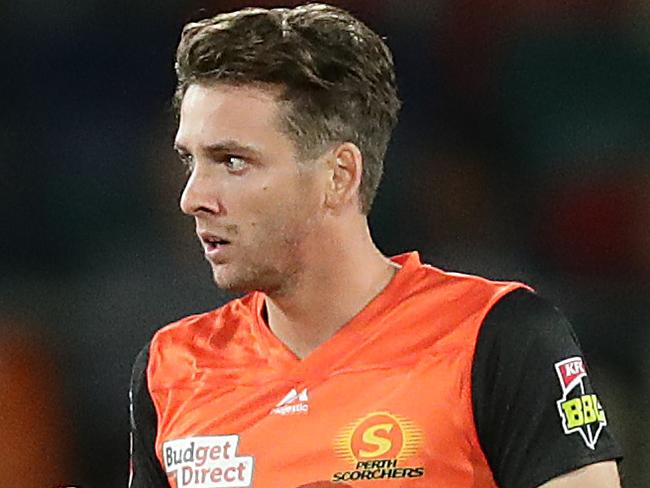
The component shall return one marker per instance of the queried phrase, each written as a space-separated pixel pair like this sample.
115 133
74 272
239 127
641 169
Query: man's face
254 203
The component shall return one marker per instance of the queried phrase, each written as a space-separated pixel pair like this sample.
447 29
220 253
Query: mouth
212 242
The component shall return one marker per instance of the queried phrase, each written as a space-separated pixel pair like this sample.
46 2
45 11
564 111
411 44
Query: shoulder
531 394
523 318
198 325
177 349
464 299
443 286
523 338
446 309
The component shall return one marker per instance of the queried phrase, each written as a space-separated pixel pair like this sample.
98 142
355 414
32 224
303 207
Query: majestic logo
377 447
579 409
207 462
293 403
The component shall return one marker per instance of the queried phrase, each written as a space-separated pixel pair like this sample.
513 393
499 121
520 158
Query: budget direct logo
378 446
207 462
579 408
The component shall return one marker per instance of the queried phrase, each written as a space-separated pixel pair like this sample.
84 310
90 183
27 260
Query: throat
304 323
301 337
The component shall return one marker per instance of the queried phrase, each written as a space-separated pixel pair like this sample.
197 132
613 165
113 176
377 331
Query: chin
232 285
236 288
231 282
244 279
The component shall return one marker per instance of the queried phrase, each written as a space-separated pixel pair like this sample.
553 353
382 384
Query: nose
199 195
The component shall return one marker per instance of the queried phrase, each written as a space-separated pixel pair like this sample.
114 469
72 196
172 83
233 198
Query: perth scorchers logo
579 408
378 446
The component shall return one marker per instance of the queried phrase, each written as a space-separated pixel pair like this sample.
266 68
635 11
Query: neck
343 277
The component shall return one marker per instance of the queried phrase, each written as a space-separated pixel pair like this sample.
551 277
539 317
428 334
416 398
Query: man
338 366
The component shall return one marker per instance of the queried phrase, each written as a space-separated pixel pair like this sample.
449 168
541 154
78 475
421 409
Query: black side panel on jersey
145 467
516 390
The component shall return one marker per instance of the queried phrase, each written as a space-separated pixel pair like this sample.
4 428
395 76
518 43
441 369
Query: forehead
227 112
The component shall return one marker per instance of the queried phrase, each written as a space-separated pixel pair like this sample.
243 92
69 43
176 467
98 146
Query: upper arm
536 413
599 475
146 471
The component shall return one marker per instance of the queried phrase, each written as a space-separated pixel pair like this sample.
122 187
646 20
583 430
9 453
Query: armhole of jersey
140 381
149 373
498 297
145 421
141 396
487 334
502 314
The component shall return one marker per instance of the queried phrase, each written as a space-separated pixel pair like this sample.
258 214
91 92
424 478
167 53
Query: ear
346 166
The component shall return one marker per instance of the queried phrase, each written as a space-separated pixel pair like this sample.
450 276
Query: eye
188 162
235 163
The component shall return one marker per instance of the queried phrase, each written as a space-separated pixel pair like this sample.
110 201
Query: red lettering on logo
570 371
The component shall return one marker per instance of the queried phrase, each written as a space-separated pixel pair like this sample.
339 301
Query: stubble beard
244 280
270 275
274 264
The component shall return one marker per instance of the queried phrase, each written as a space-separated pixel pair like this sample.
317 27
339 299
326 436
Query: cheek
279 208
283 220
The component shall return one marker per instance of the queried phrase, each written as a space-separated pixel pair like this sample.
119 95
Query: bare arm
599 475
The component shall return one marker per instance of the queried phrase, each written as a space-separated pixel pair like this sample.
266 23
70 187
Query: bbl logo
378 446
579 409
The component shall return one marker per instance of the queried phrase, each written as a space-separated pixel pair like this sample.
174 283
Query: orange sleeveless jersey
385 402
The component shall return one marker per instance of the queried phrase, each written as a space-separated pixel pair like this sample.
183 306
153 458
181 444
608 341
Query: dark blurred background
523 152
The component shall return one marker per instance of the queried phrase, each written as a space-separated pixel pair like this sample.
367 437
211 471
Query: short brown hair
337 75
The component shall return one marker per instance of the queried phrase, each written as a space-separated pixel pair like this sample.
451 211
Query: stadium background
522 152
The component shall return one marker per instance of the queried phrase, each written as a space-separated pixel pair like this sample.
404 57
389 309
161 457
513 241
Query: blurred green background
523 152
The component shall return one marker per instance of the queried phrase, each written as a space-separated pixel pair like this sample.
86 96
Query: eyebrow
220 147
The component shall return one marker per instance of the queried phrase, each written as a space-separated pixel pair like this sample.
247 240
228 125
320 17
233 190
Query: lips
212 242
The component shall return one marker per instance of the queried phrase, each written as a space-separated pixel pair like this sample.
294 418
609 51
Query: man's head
284 119
335 76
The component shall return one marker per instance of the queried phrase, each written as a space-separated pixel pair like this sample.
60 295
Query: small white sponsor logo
207 462
294 402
